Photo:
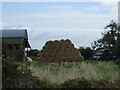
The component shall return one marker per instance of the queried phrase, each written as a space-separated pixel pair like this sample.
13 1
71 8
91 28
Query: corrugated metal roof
11 33
14 33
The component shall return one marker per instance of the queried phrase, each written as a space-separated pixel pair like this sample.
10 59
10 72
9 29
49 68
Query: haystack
57 51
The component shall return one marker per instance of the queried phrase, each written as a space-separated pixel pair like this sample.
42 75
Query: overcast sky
81 22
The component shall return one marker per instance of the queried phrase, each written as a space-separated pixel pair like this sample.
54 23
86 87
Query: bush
83 83
15 75
76 83
117 62
33 52
86 52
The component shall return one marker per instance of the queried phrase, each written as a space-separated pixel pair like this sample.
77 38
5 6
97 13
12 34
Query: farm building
14 42
103 54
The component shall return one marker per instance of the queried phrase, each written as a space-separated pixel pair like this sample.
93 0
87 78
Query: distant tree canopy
110 39
86 52
33 52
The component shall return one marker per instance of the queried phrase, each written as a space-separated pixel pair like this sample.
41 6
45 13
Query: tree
110 38
33 52
86 52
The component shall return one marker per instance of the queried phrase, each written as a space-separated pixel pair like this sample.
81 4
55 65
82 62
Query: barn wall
16 53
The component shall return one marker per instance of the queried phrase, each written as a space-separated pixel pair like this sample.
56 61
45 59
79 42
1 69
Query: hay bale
62 50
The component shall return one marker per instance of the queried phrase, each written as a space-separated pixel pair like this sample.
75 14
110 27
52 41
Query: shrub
33 52
76 83
117 62
83 83
86 52
15 75
102 84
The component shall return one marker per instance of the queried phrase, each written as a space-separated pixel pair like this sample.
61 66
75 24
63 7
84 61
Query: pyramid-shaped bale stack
59 51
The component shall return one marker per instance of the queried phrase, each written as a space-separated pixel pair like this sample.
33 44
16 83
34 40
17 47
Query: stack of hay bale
57 51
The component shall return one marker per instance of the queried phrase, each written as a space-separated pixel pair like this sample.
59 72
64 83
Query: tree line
110 39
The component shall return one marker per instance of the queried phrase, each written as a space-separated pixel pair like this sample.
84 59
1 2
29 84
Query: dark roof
15 33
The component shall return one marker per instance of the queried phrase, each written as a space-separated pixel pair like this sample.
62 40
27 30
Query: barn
14 43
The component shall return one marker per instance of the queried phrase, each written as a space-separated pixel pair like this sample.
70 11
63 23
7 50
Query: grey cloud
81 28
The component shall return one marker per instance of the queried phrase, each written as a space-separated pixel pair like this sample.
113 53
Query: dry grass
60 72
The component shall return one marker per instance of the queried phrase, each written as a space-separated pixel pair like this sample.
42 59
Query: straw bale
62 50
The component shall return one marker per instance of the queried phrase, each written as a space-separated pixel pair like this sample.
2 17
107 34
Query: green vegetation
15 75
83 83
84 74
86 52
33 52
118 62
58 73
110 39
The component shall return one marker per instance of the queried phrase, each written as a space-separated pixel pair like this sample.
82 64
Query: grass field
58 73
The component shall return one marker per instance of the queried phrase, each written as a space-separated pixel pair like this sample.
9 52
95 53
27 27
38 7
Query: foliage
76 83
87 74
118 62
58 73
110 39
15 75
33 52
86 52
83 83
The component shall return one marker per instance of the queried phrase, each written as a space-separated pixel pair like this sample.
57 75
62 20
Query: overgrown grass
58 73
84 74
